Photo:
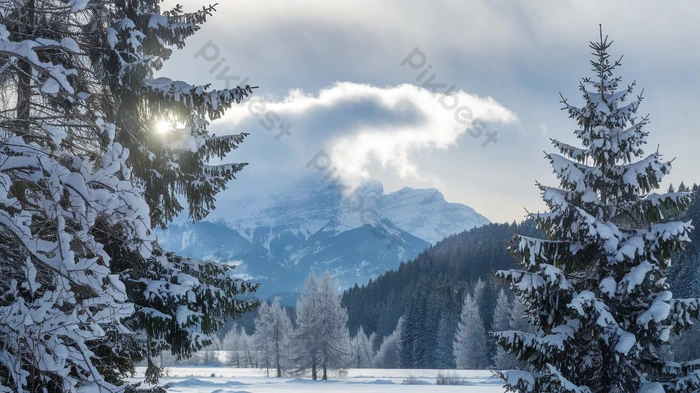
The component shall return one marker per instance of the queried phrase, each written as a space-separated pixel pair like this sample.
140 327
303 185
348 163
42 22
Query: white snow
240 380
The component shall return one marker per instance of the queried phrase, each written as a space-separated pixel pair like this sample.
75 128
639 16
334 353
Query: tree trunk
313 371
24 76
325 372
277 356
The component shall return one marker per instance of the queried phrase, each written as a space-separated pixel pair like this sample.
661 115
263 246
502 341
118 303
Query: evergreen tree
447 328
334 340
64 178
684 275
362 349
410 335
596 287
180 303
322 338
272 331
470 340
519 318
304 339
230 345
502 314
389 354
479 291
501 322
88 101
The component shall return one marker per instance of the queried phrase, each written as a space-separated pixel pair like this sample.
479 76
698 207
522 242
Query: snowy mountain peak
355 233
426 215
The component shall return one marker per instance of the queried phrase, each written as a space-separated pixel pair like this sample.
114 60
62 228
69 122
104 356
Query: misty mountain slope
438 274
426 214
204 239
278 239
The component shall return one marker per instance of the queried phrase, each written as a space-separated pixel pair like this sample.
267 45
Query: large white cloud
359 125
521 53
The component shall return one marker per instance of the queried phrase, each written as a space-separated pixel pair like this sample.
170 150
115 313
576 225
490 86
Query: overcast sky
347 77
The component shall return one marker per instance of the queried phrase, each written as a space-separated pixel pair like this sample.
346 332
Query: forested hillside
435 281
429 291
684 274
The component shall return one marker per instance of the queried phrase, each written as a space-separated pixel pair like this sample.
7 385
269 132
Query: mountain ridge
278 239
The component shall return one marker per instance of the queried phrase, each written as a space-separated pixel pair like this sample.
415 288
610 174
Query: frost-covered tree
444 353
321 339
501 322
230 344
306 351
596 288
470 349
64 178
517 321
519 318
179 302
502 314
272 331
389 352
249 353
240 347
362 347
78 90
479 291
334 341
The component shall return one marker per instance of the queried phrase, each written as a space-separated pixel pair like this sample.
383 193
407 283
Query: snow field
248 380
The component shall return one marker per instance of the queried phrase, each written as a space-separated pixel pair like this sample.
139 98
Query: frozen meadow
248 380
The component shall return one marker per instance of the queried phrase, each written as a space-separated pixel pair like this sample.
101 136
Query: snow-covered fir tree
322 339
470 349
273 329
596 288
389 353
334 341
240 348
447 328
517 321
64 178
180 303
362 347
87 179
305 346
501 316
518 317
229 344
414 338
501 322
479 291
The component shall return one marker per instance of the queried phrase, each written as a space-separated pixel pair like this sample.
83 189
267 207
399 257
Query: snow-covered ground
236 380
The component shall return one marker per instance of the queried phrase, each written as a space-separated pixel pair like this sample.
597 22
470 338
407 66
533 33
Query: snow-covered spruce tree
64 177
272 331
321 339
179 302
334 341
304 337
447 327
596 287
362 347
389 353
470 349
502 360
